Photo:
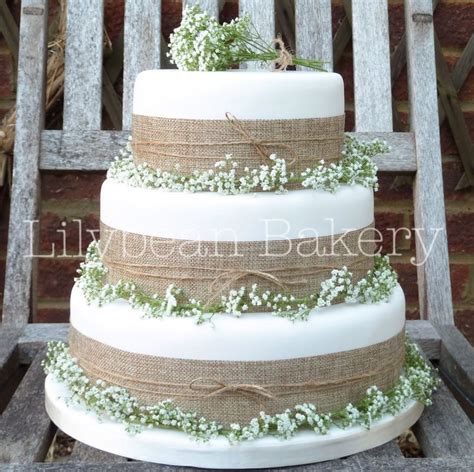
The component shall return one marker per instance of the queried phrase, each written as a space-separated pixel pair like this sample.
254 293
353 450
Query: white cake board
175 448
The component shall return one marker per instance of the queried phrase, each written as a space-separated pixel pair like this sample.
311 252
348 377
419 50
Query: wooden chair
444 432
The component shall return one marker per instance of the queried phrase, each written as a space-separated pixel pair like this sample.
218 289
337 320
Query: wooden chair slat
142 48
95 150
210 6
313 28
83 65
24 197
352 464
34 335
444 429
9 357
83 453
389 449
434 286
26 431
372 87
425 335
457 360
262 13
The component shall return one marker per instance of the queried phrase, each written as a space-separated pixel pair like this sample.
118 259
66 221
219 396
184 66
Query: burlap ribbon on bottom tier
236 391
207 269
196 145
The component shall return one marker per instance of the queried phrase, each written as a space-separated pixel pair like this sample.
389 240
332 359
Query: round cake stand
176 448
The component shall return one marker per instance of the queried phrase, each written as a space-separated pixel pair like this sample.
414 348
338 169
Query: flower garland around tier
355 167
376 287
417 383
201 43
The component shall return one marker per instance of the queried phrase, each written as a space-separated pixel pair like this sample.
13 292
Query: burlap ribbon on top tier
207 269
236 391
165 143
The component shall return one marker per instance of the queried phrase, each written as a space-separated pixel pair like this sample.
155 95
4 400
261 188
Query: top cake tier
194 119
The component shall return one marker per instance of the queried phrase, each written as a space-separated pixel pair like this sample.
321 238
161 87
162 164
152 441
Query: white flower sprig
356 167
418 382
200 43
376 287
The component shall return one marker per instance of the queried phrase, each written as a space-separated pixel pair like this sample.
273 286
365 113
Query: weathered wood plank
457 360
83 65
83 453
9 29
9 359
313 30
142 47
449 101
426 336
341 40
36 335
94 150
444 429
442 464
389 449
372 86
464 65
434 285
25 190
210 6
262 13
25 429
111 101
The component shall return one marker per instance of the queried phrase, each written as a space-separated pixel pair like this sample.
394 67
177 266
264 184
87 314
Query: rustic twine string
285 58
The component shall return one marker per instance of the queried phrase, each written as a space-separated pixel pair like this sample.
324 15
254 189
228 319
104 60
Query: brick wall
69 197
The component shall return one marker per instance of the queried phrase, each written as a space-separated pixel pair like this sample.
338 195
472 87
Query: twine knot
259 145
215 387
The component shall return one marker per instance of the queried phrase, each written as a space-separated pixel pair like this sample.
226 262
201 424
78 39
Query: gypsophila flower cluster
356 167
200 43
376 287
107 401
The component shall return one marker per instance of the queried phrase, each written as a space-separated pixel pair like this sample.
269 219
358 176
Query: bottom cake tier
175 448
254 391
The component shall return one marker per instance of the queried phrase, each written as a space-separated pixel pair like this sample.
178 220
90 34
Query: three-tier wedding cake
236 312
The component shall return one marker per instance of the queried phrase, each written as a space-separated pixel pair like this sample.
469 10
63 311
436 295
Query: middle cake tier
208 244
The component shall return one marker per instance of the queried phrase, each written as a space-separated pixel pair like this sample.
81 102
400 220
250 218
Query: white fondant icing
252 337
210 216
248 95
176 448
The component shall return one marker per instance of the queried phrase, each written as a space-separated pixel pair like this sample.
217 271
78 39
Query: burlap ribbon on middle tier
196 145
236 391
207 269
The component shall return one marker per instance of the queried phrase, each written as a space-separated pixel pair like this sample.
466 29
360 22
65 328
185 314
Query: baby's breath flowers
418 382
376 287
200 43
355 167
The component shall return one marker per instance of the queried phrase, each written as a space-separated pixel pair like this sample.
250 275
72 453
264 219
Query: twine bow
285 58
260 146
215 387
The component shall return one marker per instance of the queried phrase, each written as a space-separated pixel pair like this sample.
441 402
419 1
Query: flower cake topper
201 43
